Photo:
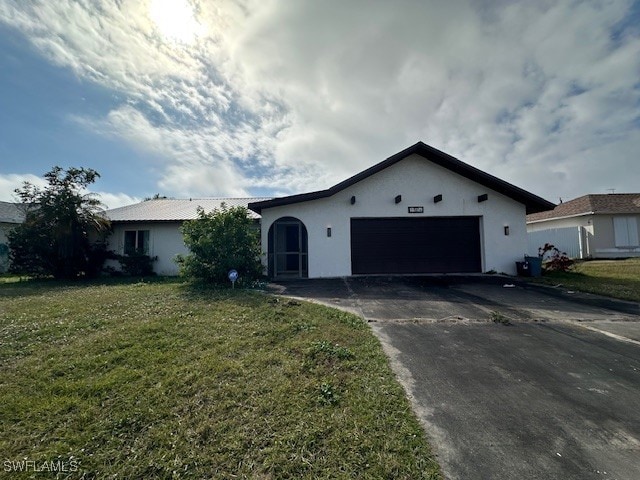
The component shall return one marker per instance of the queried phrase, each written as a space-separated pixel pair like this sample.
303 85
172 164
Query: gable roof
532 202
174 209
11 213
605 203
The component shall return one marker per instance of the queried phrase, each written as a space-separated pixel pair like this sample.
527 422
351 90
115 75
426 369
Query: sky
235 98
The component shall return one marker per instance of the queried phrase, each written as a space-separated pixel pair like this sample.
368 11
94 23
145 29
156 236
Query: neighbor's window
136 241
625 231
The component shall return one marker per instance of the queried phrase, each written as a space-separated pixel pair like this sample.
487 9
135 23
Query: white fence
569 240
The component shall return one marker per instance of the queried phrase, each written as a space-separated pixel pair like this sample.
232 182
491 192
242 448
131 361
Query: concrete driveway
553 395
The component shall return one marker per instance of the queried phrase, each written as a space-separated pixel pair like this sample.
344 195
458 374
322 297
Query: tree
60 219
219 241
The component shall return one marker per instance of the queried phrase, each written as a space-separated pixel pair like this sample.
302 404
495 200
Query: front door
288 239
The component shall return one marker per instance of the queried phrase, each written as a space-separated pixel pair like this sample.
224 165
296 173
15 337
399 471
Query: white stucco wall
165 242
418 181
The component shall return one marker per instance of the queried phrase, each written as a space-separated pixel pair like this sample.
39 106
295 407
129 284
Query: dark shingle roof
609 203
173 209
532 202
11 213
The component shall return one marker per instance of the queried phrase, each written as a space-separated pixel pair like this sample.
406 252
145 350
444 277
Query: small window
625 231
136 241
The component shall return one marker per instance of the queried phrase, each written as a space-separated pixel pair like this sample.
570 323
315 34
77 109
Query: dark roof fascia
532 202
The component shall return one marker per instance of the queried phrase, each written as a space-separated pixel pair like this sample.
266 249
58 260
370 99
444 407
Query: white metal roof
174 209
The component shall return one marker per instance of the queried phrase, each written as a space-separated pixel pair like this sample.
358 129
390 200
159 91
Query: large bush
219 241
60 222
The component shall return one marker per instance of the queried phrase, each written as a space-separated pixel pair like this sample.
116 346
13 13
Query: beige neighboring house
11 215
591 226
153 226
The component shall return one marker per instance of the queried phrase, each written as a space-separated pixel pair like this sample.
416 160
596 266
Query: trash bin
535 266
523 269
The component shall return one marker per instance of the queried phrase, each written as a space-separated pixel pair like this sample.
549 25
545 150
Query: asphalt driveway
553 395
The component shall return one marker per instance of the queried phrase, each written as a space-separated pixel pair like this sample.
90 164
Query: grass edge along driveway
161 379
610 278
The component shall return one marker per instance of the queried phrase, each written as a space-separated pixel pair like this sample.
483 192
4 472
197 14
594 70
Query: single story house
591 226
153 226
419 211
11 215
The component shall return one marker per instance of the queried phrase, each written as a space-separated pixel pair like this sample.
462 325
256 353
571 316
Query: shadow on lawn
38 286
196 291
200 291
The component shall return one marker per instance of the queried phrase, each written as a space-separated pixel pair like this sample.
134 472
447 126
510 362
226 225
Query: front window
625 230
136 241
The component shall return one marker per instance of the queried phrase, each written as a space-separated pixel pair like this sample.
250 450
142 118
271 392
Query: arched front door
288 249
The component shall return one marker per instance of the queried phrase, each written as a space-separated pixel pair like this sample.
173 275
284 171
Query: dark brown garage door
415 245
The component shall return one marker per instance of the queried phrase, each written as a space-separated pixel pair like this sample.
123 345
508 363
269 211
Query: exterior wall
165 242
604 245
4 245
599 237
418 181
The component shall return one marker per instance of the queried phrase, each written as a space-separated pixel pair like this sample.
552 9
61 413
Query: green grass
613 278
11 278
163 380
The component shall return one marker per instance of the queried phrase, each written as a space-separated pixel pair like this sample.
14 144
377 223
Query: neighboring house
153 227
11 215
419 211
591 226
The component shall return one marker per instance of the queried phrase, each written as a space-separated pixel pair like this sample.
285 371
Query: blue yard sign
233 276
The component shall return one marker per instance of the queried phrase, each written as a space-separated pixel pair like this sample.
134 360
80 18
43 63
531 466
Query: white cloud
115 200
295 96
521 91
10 182
192 162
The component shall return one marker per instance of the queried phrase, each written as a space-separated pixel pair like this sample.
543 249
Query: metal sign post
233 276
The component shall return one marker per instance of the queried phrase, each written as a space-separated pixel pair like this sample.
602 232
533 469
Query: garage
419 211
415 245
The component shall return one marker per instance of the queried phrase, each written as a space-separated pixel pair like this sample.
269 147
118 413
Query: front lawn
162 380
613 278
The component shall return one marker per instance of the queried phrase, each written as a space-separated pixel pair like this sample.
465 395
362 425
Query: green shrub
137 264
219 241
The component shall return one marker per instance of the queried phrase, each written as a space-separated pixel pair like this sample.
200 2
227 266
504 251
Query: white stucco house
153 227
11 215
591 226
418 211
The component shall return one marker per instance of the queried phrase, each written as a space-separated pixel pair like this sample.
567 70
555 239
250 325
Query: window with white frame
625 230
136 241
